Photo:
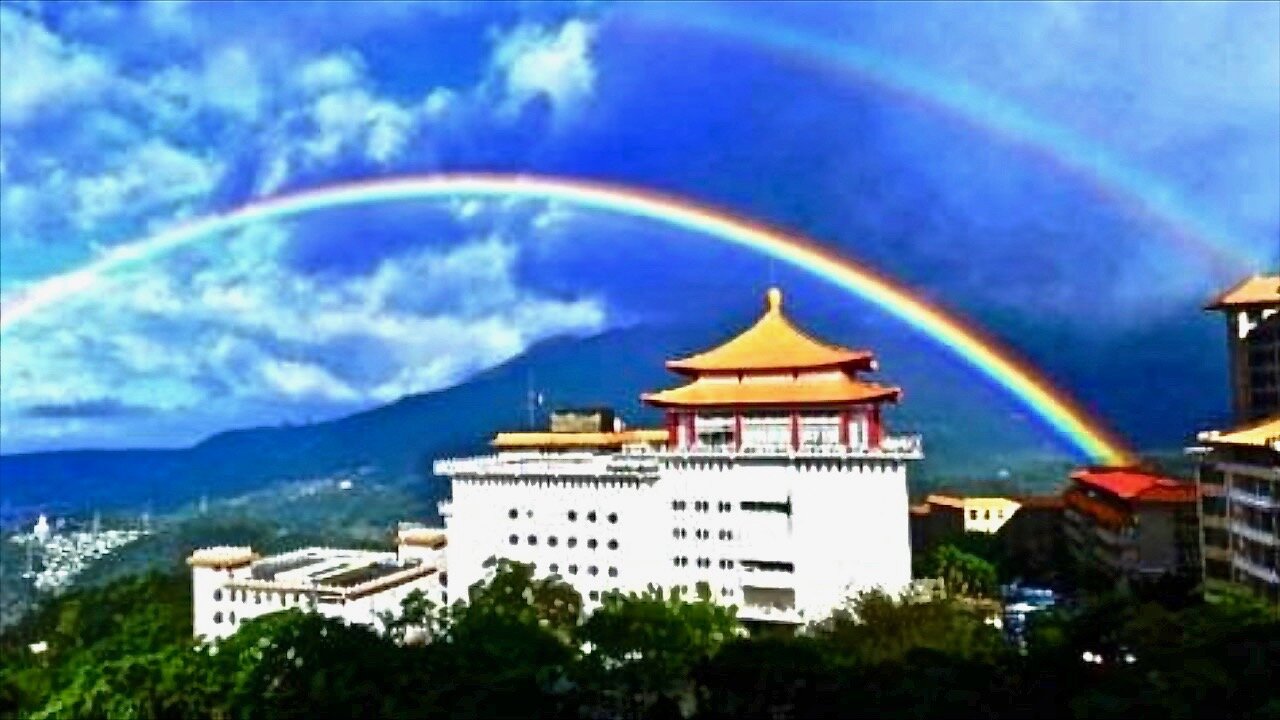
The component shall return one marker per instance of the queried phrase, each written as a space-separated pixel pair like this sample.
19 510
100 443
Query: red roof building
1130 523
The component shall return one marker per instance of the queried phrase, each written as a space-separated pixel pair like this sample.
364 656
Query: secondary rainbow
984 354
1120 183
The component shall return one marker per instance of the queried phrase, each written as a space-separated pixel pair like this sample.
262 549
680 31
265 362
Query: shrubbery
520 648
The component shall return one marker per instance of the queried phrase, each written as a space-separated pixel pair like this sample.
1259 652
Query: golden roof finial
773 300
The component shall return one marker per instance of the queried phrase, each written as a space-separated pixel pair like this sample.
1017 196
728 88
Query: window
675 504
513 539
284 600
533 539
973 514
675 561
613 572
528 513
552 541
767 506
591 544
217 617
573 569
675 533
512 514
232 618
591 516
986 515
573 542
594 594
217 594
613 544
613 517
573 515
257 598
593 570
555 567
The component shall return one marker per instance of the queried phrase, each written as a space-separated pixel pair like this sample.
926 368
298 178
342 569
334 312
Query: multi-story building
1252 310
944 515
1132 525
773 483
231 585
1239 479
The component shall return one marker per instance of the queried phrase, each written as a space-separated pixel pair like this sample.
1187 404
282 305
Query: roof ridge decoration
773 342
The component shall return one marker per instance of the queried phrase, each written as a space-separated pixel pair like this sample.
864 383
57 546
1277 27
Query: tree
640 649
963 573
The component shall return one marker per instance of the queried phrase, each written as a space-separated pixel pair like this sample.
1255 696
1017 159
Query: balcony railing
769 579
1248 498
577 465
1259 571
1264 537
770 613
900 447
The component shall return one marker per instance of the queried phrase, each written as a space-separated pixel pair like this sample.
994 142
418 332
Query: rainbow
1116 181
984 354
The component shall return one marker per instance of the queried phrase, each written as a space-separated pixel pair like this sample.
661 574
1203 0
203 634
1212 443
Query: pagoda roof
718 393
1263 433
1135 485
1256 290
772 343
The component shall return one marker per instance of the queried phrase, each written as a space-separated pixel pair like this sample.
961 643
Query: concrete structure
233 584
1239 483
1032 539
773 482
1132 525
1252 311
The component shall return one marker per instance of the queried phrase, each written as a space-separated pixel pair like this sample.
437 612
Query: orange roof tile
1256 290
711 393
513 440
772 343
1131 484
1263 433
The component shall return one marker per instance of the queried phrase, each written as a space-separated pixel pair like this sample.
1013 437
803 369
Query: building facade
1252 311
1239 481
1132 525
231 585
773 482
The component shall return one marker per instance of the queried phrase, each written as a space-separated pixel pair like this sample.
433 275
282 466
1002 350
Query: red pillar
689 437
844 429
737 430
795 430
873 427
673 430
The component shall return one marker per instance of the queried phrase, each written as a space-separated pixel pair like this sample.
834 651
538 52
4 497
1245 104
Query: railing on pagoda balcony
893 446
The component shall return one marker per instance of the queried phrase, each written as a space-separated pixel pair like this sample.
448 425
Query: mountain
970 427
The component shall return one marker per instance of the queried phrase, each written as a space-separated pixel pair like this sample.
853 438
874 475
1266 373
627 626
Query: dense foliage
520 648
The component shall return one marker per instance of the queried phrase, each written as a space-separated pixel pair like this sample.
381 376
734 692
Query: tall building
774 482
1252 311
1239 478
1132 525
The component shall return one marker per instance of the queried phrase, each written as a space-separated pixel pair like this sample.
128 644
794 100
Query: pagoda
775 388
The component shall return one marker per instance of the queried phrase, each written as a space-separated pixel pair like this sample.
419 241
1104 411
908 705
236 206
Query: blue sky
117 120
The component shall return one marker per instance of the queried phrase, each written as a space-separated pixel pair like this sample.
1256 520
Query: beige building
1239 478
1252 311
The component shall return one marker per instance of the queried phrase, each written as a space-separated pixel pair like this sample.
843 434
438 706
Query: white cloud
533 60
232 326
147 177
42 73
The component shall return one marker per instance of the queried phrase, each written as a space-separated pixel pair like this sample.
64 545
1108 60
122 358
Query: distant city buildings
944 515
1131 524
774 482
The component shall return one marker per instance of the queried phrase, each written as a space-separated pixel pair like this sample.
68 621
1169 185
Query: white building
773 482
233 584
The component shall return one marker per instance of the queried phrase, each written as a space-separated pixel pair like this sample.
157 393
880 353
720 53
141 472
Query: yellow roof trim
512 440
1255 290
